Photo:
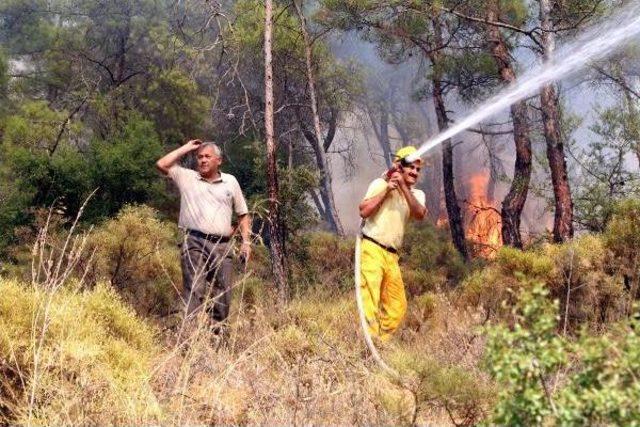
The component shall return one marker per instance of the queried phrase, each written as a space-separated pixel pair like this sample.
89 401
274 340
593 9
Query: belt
387 248
210 237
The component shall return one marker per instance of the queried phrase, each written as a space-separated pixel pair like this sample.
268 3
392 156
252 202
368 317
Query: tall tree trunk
326 191
451 199
381 129
402 131
514 201
631 122
432 182
276 235
563 218
317 202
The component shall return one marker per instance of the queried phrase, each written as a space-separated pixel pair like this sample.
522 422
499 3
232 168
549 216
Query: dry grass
307 364
78 354
72 357
304 364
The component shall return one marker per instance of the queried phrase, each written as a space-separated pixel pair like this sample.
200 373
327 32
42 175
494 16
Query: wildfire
483 224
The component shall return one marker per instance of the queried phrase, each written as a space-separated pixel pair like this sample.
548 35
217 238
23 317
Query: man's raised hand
168 160
193 144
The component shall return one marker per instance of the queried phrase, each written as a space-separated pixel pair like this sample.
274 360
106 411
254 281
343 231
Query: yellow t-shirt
387 225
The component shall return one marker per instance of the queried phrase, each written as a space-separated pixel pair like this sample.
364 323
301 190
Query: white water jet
597 43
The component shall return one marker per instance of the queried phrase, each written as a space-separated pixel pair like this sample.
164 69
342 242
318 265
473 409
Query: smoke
473 153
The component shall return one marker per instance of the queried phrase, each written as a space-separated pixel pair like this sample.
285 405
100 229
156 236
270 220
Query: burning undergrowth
483 222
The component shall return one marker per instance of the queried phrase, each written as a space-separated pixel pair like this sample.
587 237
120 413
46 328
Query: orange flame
484 225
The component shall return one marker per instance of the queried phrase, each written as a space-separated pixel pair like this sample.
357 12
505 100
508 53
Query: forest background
522 281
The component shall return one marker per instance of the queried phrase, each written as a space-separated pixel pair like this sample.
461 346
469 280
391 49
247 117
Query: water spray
597 43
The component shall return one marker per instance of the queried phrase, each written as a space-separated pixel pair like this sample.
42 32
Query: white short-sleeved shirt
387 224
207 206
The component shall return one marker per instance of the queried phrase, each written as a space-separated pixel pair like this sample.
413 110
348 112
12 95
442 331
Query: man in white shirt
208 199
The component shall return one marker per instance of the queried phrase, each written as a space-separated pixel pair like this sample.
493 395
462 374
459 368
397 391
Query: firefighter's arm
417 209
370 206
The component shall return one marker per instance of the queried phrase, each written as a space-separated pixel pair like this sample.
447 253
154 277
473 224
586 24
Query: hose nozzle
405 161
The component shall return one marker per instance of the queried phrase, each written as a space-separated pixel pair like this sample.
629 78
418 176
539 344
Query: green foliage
605 390
605 177
522 358
475 73
546 379
122 168
37 168
43 171
35 126
184 114
24 28
244 160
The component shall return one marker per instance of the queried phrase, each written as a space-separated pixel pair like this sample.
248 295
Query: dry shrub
304 363
578 272
429 260
437 385
439 354
138 254
321 258
73 358
490 286
622 238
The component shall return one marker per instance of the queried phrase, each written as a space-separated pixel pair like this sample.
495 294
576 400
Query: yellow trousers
382 290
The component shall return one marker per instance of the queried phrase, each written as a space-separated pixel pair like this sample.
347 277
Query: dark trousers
206 275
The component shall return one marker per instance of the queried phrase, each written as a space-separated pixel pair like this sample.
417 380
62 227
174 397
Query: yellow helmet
404 152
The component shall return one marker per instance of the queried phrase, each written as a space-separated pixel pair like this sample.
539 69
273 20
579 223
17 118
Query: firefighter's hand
392 185
395 181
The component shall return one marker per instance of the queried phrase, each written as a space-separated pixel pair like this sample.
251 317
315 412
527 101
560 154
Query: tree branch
529 33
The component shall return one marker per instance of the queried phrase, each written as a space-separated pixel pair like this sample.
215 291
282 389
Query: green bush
547 379
322 259
522 358
123 169
38 171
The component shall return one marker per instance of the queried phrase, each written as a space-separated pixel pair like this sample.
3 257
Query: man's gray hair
216 150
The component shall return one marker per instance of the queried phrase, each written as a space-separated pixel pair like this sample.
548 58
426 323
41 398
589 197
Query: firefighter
389 204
